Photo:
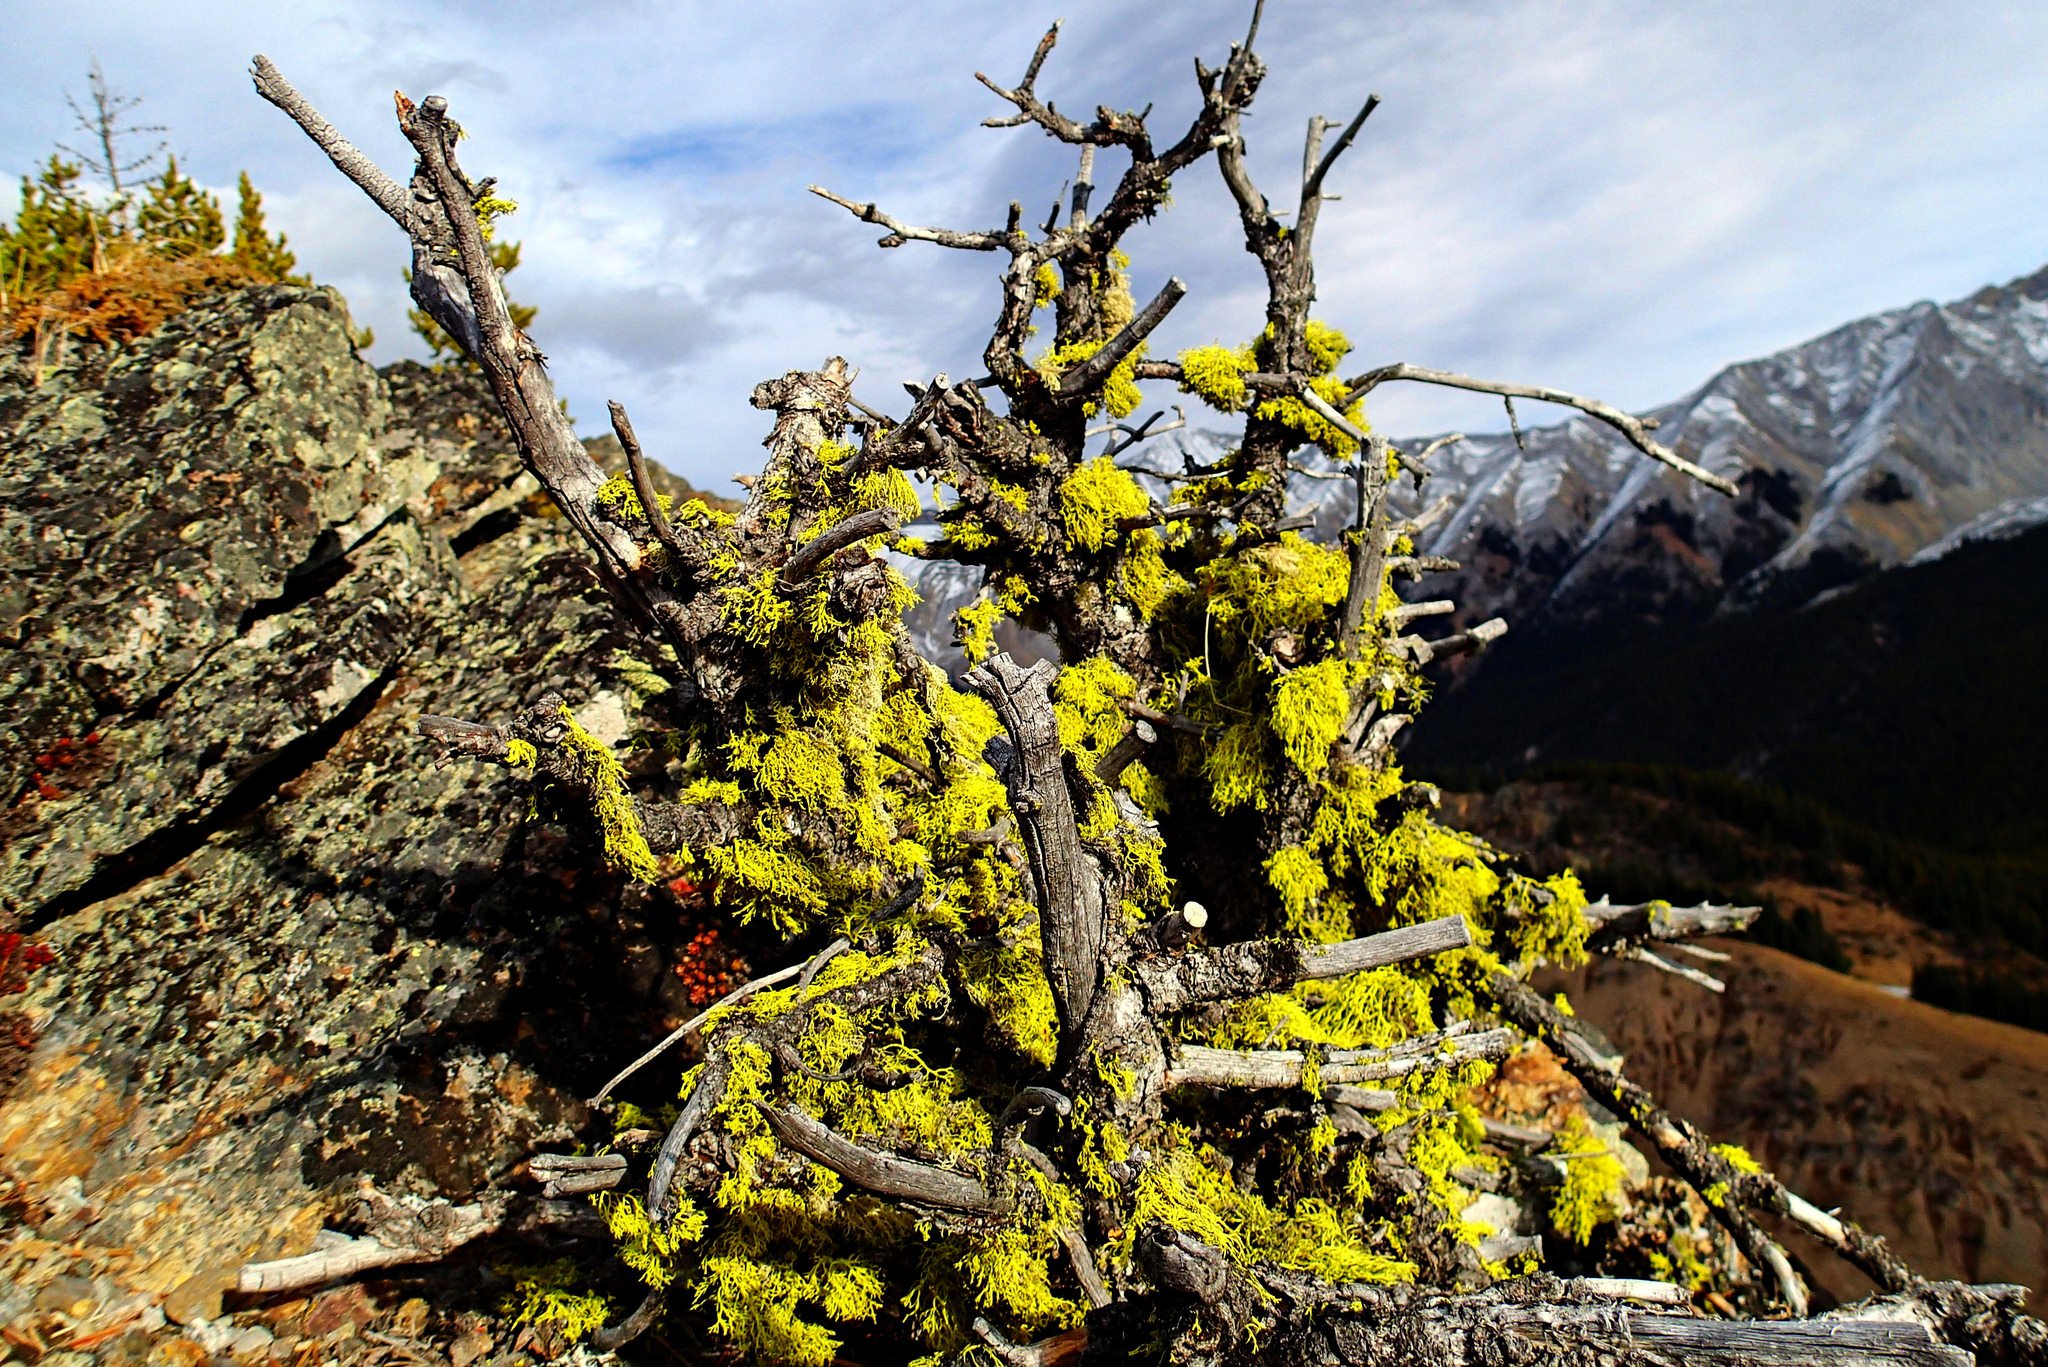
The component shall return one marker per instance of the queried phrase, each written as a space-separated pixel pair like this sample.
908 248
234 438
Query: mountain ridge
1854 451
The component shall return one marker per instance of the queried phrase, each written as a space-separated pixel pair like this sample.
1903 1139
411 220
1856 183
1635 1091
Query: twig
859 527
683 1031
636 464
823 957
1635 429
1459 643
1312 188
900 233
1662 964
1145 432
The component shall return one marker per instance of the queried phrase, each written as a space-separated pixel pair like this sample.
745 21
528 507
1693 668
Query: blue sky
1616 198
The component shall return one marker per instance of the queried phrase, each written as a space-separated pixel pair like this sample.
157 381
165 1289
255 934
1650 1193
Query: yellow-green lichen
1739 1159
546 1295
1590 1191
624 845
1096 498
1215 374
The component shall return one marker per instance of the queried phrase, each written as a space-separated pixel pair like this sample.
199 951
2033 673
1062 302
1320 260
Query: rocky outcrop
236 563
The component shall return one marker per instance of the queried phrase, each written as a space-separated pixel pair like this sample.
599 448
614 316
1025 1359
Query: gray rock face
236 564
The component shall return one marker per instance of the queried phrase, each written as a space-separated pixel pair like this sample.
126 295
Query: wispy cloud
1616 197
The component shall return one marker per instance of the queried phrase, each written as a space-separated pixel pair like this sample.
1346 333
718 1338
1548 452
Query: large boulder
236 564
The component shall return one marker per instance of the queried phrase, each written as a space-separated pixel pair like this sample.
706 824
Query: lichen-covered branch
1615 927
1071 894
1714 1173
884 1174
1635 429
1243 970
1199 1066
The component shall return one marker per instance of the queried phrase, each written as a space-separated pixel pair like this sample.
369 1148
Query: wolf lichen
1590 1192
1096 498
624 844
545 1295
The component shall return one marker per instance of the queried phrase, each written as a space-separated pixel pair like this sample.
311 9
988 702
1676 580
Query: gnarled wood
1072 900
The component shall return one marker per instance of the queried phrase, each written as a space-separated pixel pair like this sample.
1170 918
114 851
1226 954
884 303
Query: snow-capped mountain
1893 437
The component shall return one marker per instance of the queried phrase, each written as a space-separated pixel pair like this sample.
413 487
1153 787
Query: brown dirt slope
1923 1125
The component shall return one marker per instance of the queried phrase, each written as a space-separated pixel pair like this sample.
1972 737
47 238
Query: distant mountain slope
1923 1123
1911 701
1855 451
1893 437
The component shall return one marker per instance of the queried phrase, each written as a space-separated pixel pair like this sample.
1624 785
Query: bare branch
1129 747
404 1229
1439 444
1416 566
1197 1066
885 1174
1368 545
385 192
1460 643
615 1336
562 1174
1085 377
1692 1157
1615 927
1408 612
1146 431
1084 186
1165 719
643 486
1664 965
1633 428
1244 970
1312 187
900 233
858 528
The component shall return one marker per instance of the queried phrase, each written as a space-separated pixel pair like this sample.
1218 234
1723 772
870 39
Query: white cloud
1615 197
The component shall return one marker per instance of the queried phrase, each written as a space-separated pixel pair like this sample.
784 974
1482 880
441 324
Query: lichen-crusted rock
291 953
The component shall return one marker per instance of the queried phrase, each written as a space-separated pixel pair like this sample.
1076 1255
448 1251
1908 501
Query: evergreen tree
178 218
57 235
262 255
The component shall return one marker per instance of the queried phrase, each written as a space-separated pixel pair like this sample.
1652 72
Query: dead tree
1154 997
